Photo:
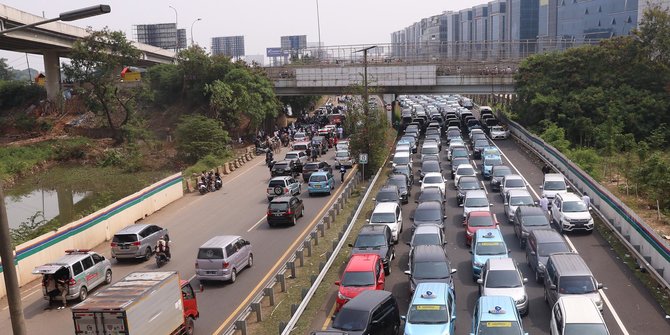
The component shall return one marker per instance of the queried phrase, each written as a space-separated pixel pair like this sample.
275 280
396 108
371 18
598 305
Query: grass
18 160
207 163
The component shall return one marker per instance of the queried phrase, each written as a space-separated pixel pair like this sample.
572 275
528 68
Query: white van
553 184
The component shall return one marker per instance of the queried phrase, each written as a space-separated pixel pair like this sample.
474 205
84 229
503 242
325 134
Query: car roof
553 176
134 228
320 173
430 144
373 229
572 262
385 207
547 236
402 153
218 241
427 229
297 152
501 264
280 178
479 213
432 174
492 235
429 253
430 163
464 166
362 262
283 162
580 309
488 304
569 196
71 257
430 294
513 176
530 210
367 300
475 194
283 198
516 193
430 205
388 188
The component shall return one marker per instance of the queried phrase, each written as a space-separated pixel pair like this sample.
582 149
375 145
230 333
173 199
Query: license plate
317 186
125 247
210 272
278 214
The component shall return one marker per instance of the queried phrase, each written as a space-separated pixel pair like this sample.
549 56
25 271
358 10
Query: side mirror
407 272
337 282
490 205
374 199
541 186
470 251
480 281
380 282
416 201
460 205
453 271
590 208
444 217
402 317
351 245
408 243
552 287
504 203
600 286
568 187
367 220
525 280
411 217
533 253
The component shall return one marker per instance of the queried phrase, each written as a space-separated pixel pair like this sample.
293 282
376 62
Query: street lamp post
176 27
318 25
366 104
198 19
6 248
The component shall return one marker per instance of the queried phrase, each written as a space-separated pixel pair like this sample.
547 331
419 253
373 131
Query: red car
478 220
363 272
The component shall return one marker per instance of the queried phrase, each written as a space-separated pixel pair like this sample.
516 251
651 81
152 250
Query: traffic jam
447 164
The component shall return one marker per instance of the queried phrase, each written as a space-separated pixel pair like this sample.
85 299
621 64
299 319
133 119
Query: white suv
390 214
569 213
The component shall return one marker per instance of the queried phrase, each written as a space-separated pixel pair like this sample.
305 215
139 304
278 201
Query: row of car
503 299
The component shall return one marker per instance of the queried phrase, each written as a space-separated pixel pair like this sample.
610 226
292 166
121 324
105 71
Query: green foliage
368 134
555 136
20 159
587 159
653 177
96 60
16 94
198 136
300 103
165 82
5 70
25 231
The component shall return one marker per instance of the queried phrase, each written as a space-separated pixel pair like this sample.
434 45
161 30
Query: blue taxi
486 244
488 162
321 182
432 310
496 315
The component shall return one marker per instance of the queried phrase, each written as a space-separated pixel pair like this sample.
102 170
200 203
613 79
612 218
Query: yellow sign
498 324
427 308
132 76
489 244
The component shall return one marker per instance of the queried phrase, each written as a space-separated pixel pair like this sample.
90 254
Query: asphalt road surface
238 209
629 308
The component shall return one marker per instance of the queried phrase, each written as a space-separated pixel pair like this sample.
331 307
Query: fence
96 228
651 251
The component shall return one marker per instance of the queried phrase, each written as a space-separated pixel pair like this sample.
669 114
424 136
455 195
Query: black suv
285 209
312 167
284 168
375 239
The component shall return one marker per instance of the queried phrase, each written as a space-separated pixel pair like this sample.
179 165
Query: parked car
432 310
390 214
553 183
501 277
403 185
285 209
486 244
497 174
387 193
321 182
511 182
567 274
83 270
428 167
299 159
475 200
282 185
375 239
221 258
405 170
498 133
456 162
488 163
434 179
137 241
576 315
540 244
431 194
363 272
427 235
463 170
496 315
343 158
465 184
428 212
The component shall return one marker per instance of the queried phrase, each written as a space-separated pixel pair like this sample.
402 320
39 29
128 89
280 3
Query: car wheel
387 270
108 277
302 212
294 221
83 293
233 276
147 254
190 326
250 262
546 297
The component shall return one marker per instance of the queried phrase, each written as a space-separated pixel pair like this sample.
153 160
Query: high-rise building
181 39
294 43
162 35
231 46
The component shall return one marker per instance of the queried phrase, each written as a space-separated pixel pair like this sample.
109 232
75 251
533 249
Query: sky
261 22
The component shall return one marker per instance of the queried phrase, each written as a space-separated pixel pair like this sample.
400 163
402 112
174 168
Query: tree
198 136
654 34
300 103
5 70
96 62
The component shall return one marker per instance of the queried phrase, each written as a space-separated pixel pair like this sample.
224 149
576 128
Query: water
51 203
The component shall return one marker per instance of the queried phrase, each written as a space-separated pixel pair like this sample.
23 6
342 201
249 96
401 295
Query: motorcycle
161 259
218 183
261 150
202 188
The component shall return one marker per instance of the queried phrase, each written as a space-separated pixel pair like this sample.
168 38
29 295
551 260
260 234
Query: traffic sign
363 158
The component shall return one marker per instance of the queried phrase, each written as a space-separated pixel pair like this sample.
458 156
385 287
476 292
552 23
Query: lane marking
615 315
327 322
484 187
257 223
289 250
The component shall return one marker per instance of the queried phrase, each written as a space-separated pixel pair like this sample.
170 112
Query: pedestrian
340 131
62 284
343 171
546 169
587 200
544 203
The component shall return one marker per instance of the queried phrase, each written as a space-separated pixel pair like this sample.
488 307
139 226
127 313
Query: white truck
153 302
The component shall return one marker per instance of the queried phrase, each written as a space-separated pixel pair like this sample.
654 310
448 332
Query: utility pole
318 24
366 94
9 272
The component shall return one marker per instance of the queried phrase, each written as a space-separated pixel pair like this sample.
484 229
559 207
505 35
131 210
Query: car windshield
493 161
431 270
387 196
546 249
499 328
491 248
428 314
432 180
410 139
481 143
480 221
382 218
280 166
317 178
369 241
576 285
465 171
574 206
554 185
458 161
342 154
401 160
497 129
521 200
350 320
459 152
585 329
503 279
476 202
430 151
358 278
427 214
401 169
514 183
426 239
468 184
311 166
430 166
400 183
430 196
534 220
501 172
291 156
210 253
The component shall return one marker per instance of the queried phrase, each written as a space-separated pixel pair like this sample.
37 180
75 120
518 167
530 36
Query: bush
25 122
198 136
15 93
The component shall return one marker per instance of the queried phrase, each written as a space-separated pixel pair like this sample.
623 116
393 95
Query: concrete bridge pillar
52 72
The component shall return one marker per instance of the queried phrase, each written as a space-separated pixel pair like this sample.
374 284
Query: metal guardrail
639 239
303 304
239 323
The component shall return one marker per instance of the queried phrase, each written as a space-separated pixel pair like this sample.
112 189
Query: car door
379 270
556 324
233 255
244 249
451 307
294 185
91 276
153 234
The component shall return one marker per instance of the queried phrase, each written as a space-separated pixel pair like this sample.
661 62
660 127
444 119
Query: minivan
566 275
553 183
137 241
222 257
372 312
576 315
539 245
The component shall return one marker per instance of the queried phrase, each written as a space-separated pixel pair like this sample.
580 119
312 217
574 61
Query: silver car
515 198
137 241
500 276
283 185
222 258
82 270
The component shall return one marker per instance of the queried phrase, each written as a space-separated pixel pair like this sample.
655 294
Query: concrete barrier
96 228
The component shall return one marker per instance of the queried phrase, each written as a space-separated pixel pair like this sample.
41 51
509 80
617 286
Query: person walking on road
544 203
343 171
587 200
62 288
546 169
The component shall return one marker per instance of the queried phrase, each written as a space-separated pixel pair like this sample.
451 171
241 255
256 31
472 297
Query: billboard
275 52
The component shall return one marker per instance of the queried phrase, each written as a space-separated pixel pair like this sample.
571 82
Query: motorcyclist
210 180
268 157
163 246
217 179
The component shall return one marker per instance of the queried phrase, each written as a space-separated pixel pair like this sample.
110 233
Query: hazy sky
262 22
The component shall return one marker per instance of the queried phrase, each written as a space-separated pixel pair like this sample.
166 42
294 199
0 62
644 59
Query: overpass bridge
54 40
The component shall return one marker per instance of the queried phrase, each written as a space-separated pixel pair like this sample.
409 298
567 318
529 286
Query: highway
238 209
630 309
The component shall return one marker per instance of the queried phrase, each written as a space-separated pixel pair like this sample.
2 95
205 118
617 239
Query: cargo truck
142 303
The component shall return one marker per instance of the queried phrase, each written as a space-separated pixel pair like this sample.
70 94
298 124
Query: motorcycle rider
163 246
217 180
268 157
210 181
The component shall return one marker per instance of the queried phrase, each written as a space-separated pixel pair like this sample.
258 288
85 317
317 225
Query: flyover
54 40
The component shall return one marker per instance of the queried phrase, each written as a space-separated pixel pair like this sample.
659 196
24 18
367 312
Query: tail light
225 265
289 212
137 244
286 189
268 213
113 244
72 282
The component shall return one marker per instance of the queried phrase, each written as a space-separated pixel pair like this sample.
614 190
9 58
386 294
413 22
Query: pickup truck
152 302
